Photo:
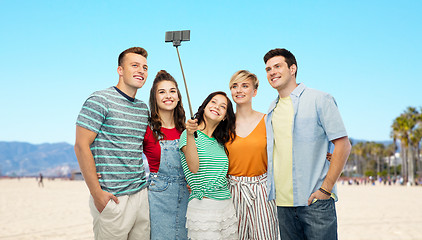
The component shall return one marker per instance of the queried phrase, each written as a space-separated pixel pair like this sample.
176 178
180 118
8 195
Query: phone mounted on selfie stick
176 37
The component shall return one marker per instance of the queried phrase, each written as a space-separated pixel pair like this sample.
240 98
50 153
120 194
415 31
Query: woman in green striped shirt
210 213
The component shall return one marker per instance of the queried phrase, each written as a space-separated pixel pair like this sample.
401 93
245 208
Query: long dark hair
225 130
178 113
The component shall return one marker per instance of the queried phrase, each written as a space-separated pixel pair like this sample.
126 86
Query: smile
140 78
215 112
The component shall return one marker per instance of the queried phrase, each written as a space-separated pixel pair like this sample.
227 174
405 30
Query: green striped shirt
120 126
210 181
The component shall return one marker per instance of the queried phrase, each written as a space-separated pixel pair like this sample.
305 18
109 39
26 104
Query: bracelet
325 191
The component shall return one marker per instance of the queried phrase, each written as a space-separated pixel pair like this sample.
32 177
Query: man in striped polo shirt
109 132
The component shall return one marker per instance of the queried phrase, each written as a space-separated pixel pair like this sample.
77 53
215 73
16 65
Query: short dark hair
137 50
288 56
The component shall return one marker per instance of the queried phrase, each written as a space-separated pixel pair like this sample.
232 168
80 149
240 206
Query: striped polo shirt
211 179
120 125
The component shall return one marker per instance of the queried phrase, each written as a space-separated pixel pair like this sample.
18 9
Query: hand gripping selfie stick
176 37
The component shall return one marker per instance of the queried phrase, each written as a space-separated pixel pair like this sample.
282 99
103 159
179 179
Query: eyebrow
173 88
278 63
215 99
139 63
241 83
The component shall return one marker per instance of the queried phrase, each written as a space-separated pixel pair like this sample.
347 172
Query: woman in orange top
247 172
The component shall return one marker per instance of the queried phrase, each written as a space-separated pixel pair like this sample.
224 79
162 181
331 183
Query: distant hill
50 159
385 142
25 159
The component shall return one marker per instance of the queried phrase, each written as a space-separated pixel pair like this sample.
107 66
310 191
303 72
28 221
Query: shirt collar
294 94
298 90
125 95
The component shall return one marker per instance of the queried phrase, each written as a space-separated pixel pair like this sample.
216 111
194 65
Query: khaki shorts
127 220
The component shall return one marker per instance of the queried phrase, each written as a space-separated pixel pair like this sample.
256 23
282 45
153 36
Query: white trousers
127 220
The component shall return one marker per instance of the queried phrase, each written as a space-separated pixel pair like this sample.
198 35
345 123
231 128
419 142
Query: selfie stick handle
186 87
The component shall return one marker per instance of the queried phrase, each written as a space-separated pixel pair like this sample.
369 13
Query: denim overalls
168 195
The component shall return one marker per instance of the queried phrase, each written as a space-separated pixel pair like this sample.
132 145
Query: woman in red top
168 194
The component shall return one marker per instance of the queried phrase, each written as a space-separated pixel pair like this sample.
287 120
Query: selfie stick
176 37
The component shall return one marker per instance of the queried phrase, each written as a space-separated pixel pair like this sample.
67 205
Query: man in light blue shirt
301 125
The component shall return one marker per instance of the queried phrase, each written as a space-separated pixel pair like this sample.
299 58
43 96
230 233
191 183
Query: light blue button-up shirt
316 122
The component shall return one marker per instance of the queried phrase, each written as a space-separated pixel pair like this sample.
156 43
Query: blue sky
54 54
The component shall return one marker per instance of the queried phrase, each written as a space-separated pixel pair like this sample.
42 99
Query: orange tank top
248 155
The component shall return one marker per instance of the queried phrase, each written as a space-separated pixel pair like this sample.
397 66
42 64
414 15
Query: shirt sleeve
182 141
93 113
330 118
152 150
148 143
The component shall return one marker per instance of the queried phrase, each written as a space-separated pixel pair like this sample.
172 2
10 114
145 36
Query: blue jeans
168 195
317 221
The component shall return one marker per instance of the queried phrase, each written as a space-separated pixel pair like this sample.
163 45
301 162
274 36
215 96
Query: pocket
94 210
171 158
323 204
157 185
109 207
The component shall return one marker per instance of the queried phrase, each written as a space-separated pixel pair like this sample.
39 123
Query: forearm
341 152
191 154
88 169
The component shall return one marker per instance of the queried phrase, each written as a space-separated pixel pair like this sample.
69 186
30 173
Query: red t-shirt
152 149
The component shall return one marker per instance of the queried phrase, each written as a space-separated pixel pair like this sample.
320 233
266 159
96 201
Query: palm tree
378 150
390 151
405 128
412 116
358 153
417 138
369 157
399 133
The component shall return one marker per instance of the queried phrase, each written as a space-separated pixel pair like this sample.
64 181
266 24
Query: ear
293 69
120 70
255 91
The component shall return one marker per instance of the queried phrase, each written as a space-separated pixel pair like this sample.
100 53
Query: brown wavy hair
226 129
178 113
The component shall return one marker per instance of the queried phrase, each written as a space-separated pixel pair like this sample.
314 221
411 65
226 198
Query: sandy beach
60 211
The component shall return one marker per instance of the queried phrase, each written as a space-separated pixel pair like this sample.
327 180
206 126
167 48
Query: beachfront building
393 160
